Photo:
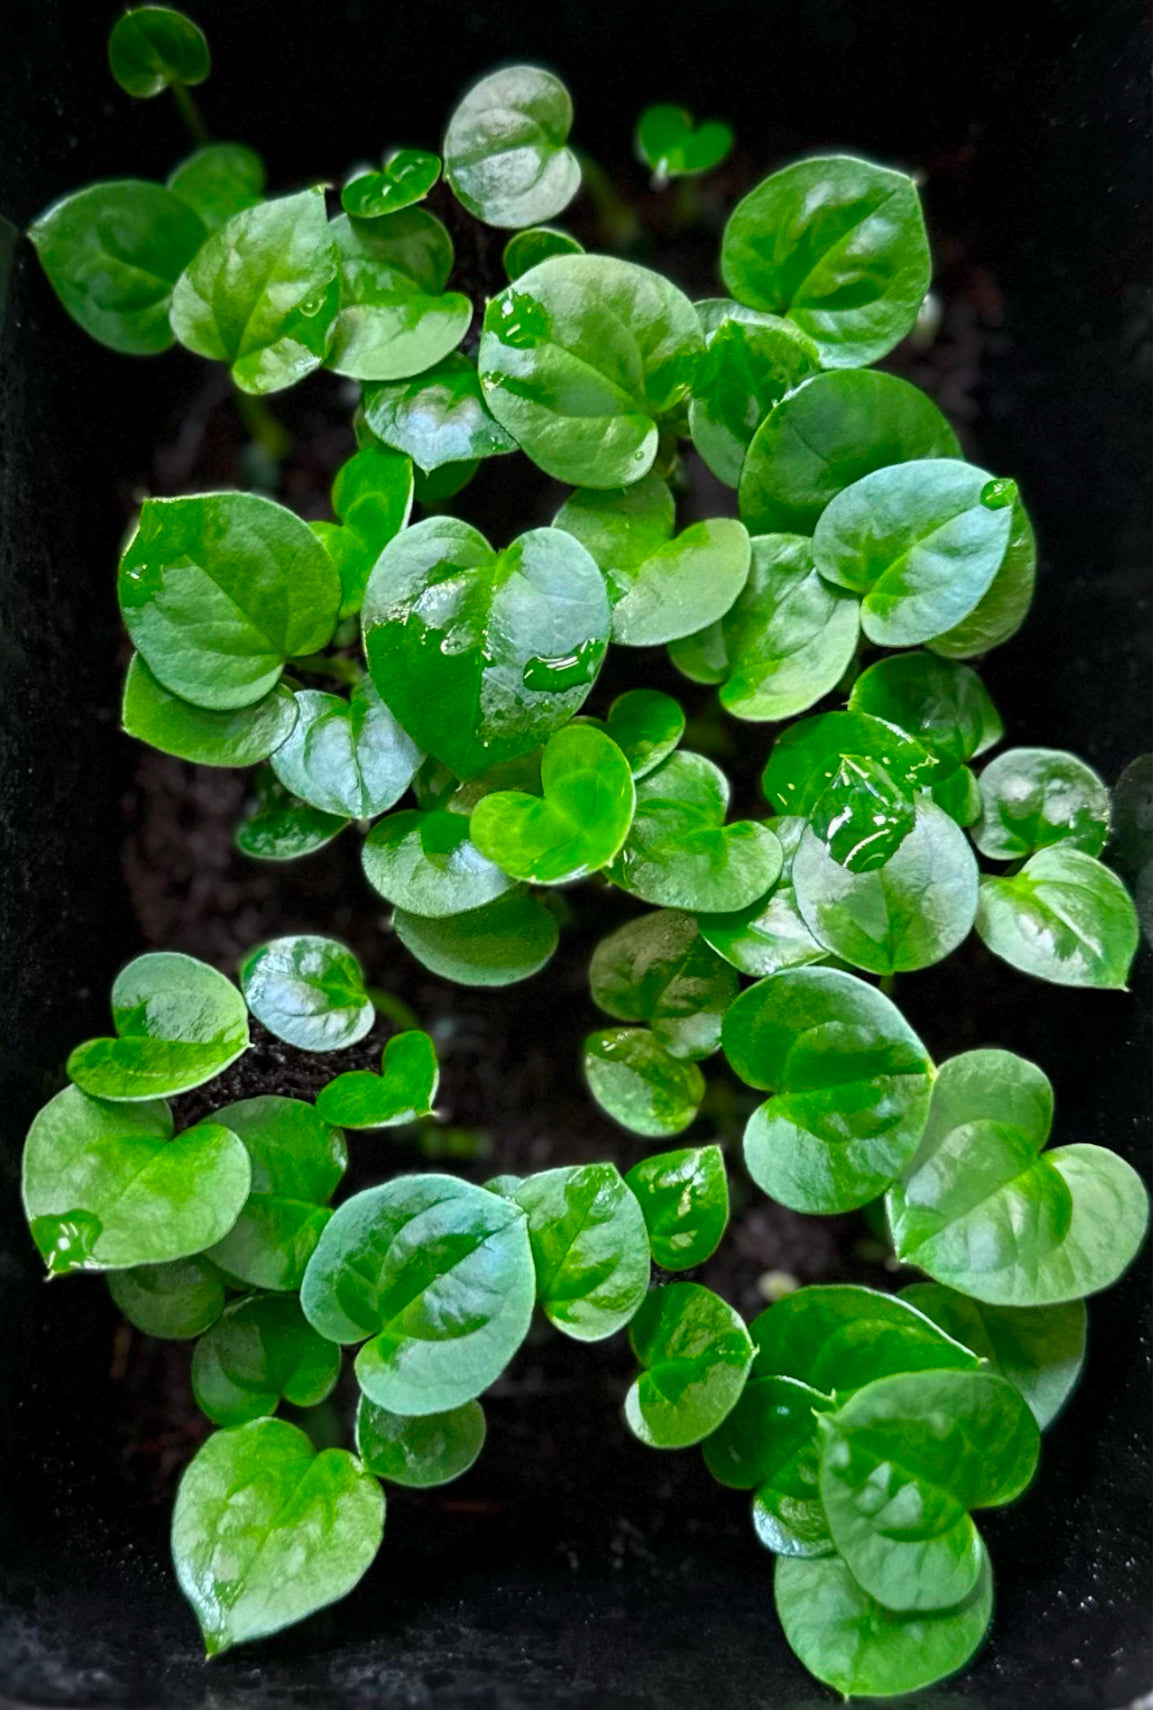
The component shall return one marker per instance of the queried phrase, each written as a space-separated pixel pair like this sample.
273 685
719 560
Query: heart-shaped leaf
504 150
646 726
404 1090
308 991
537 243
107 1187
261 294
113 254
659 969
426 863
395 316
266 1530
260 1350
218 181
661 586
178 1023
860 1648
850 1082
681 854
769 935
508 940
1033 798
239 738
578 822
902 1463
769 1443
1038 1349
920 543
281 828
684 1198
430 1450
673 145
175 1300
589 1247
750 361
1065 917
218 590
696 1354
439 418
372 496
349 758
297 1164
439 1274
839 246
578 360
838 1337
831 431
482 654
640 1084
152 47
909 913
407 177
945 706
983 1209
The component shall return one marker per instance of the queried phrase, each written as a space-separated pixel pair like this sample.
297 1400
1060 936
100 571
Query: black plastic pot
578 1570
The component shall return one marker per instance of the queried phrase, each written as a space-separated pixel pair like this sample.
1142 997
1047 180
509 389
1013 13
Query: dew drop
998 495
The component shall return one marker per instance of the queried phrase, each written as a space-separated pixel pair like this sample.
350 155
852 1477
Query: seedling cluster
460 734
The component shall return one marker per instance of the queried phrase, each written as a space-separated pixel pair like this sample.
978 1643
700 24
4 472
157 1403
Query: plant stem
889 985
394 1008
268 433
190 113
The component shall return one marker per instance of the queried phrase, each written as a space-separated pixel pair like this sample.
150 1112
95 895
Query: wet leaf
684 1198
178 1023
640 1084
696 1354
658 969
440 418
1034 798
349 758
395 317
407 176
504 150
308 991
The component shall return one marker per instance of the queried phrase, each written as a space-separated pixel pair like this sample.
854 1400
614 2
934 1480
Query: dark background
573 1566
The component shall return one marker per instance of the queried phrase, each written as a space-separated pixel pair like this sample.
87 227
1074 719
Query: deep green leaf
750 361
419 1452
862 817
407 177
425 863
806 757
262 1349
640 1084
769 935
308 991
282 829
507 940
945 706
696 1354
404 1090
175 1300
589 1247
646 726
178 1023
1064 918
1000 612
153 46
671 143
440 418
239 738
372 495
657 968
1032 798
769 1443
525 249
219 181
504 150
838 1337
684 1198
395 317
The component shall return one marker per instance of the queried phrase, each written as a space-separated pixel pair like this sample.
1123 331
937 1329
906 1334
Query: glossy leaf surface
684 1198
240 738
348 757
175 1300
524 249
262 1349
646 726
639 1083
671 143
178 1023
395 318
769 1443
1033 798
508 940
407 177
577 823
439 418
1065 917
806 758
218 181
770 934
589 1246
404 1090
153 46
280 828
372 495
944 705
504 150
425 862
750 361
696 1354
838 1337
432 1449
658 969
308 991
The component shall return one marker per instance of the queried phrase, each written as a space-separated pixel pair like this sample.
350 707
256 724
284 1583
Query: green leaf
1033 798
828 433
266 1530
262 1349
219 181
660 586
439 418
696 1354
297 1161
113 254
850 1082
525 249
261 294
960 796
769 1443
684 1198
175 1300
578 822
640 1084
241 738
308 991
862 1649
281 828
372 495
907 914
395 317
750 361
439 1274
578 360
348 757
1001 611
1038 1349
218 590
863 817
153 46
837 1337
425 863
657 968
983 1209
920 543
902 1463
670 142
839 246
769 935
589 1247
107 1187
178 1023
404 1090
407 177
421 1452
504 150
787 639
806 758
483 654
1064 918
945 706
505 941
646 726
681 854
